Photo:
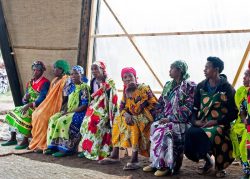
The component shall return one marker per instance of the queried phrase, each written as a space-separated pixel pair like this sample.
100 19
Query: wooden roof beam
9 61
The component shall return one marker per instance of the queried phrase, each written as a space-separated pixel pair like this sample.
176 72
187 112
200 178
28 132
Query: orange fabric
40 117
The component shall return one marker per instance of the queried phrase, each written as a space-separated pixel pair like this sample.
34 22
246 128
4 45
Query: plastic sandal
108 160
148 169
132 166
221 174
20 147
49 152
81 155
8 143
206 169
160 173
59 154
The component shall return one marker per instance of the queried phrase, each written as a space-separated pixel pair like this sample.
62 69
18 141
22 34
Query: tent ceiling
165 16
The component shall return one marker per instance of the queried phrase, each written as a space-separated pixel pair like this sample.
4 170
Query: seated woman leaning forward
98 121
172 120
214 109
132 126
239 133
63 134
51 105
20 118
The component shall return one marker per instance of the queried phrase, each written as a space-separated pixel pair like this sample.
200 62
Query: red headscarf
102 66
128 70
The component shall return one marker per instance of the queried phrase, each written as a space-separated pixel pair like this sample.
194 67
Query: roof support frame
9 60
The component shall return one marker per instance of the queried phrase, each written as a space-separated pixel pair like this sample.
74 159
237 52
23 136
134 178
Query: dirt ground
188 169
40 166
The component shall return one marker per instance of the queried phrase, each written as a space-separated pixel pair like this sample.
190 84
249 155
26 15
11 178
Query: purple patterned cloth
167 140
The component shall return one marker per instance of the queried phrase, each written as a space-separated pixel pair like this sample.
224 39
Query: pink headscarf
128 70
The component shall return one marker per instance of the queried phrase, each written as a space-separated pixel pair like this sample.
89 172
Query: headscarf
38 65
128 70
63 64
101 66
183 67
79 69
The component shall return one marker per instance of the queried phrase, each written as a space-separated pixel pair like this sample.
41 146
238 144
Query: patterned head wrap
79 69
101 66
38 65
63 64
183 67
128 70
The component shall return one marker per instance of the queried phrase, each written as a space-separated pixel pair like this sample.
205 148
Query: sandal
205 169
108 160
149 169
20 147
59 154
221 174
49 152
132 166
160 173
80 155
39 151
8 143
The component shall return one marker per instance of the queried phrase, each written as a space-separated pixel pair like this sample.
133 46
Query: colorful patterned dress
167 140
212 104
40 117
22 122
64 130
141 107
98 121
239 130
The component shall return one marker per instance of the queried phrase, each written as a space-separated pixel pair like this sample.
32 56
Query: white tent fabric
146 16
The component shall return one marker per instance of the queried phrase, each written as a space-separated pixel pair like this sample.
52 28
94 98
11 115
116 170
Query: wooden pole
90 39
9 60
133 43
43 48
241 64
155 92
84 33
173 33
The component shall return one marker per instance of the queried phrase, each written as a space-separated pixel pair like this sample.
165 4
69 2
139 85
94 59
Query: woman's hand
199 123
243 115
26 107
128 119
210 123
64 112
164 121
27 97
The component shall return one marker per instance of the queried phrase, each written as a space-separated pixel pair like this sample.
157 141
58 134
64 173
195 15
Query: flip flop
20 147
108 160
59 154
80 155
49 152
205 169
39 151
221 174
8 143
132 166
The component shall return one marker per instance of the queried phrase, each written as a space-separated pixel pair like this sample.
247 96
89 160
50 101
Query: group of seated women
68 116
